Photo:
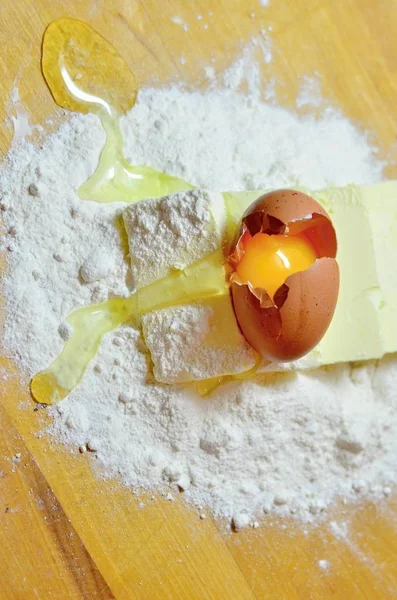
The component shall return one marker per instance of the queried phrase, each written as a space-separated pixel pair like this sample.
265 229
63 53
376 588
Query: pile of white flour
289 443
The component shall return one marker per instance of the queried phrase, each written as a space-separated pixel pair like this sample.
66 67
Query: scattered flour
285 443
183 222
310 93
241 143
19 118
249 66
178 21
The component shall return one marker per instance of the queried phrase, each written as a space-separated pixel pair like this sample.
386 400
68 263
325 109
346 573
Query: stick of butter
365 321
201 339
172 232
380 202
196 341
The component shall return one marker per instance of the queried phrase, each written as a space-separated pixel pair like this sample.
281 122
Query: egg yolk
269 259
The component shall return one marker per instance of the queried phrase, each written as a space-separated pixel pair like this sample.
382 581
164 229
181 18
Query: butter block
236 203
172 232
193 341
196 341
354 333
380 202
365 321
365 219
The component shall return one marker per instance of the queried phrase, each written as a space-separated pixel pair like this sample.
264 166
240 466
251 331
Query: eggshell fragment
289 325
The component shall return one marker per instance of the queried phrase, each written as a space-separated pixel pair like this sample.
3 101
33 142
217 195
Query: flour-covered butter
365 321
172 232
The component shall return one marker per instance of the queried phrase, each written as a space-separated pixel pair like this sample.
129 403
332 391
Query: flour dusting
288 443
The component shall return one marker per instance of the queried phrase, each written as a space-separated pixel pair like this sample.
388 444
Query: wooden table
65 534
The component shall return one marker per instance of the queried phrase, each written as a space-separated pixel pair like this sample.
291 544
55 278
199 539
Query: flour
178 21
241 143
183 222
19 118
310 93
287 443
324 564
205 332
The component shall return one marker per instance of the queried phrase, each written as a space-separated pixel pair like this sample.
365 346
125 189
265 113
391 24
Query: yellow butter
365 321
380 202
200 341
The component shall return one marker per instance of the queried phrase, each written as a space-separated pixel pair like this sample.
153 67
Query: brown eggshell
289 332
290 325
290 211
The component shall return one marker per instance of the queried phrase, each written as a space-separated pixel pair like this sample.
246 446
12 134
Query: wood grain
41 554
141 551
68 533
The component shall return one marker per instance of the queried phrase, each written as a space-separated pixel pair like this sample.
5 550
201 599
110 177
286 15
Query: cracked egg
285 279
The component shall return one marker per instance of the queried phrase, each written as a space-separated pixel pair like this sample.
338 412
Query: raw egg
285 279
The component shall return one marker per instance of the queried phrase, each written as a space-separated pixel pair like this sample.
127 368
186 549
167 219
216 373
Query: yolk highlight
269 259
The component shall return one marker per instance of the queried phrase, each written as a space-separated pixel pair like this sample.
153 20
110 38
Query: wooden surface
66 534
